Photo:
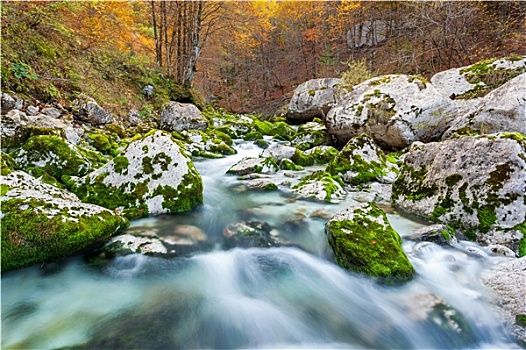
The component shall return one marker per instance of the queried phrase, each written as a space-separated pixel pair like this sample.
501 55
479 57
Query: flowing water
288 297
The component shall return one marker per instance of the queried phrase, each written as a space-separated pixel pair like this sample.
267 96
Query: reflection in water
288 297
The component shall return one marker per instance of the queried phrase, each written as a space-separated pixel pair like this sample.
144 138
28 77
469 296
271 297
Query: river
293 296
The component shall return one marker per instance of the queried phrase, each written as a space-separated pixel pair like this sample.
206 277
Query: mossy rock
322 154
249 165
7 164
151 176
310 135
473 184
360 161
41 223
363 241
321 186
53 154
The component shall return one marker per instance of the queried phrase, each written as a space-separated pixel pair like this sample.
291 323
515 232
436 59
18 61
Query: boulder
153 175
248 234
507 280
361 161
7 103
177 116
250 165
314 98
322 154
320 186
439 234
395 110
41 223
474 184
209 144
478 79
52 155
310 135
88 110
363 241
502 110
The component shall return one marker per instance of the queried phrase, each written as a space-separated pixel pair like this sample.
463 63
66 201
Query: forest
243 56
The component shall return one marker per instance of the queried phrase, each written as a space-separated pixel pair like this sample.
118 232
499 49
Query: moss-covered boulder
363 241
477 80
153 175
279 130
395 110
41 223
211 143
320 186
310 135
250 165
474 184
52 155
362 161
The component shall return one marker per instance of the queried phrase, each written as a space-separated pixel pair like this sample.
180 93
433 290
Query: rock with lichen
361 161
363 241
320 186
395 110
52 155
41 223
314 98
153 175
474 184
501 110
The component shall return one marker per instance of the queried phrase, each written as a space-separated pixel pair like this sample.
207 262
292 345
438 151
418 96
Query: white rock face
475 184
178 116
152 173
314 98
507 280
502 110
395 110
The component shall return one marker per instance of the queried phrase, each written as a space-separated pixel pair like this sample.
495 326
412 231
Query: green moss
522 243
312 92
520 320
29 237
253 135
120 164
517 136
410 183
7 164
365 246
302 159
330 184
487 217
349 162
147 166
452 180
324 156
100 142
287 164
61 158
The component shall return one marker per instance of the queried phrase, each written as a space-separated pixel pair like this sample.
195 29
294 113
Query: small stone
31 110
51 112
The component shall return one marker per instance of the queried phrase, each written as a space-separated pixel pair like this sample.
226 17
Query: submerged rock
395 110
361 161
41 223
314 98
248 234
439 234
321 186
363 241
177 116
151 176
474 184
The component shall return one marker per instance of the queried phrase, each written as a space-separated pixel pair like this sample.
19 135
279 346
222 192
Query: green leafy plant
357 72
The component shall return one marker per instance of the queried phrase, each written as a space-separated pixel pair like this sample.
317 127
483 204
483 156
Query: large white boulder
474 184
502 110
152 176
314 98
395 110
